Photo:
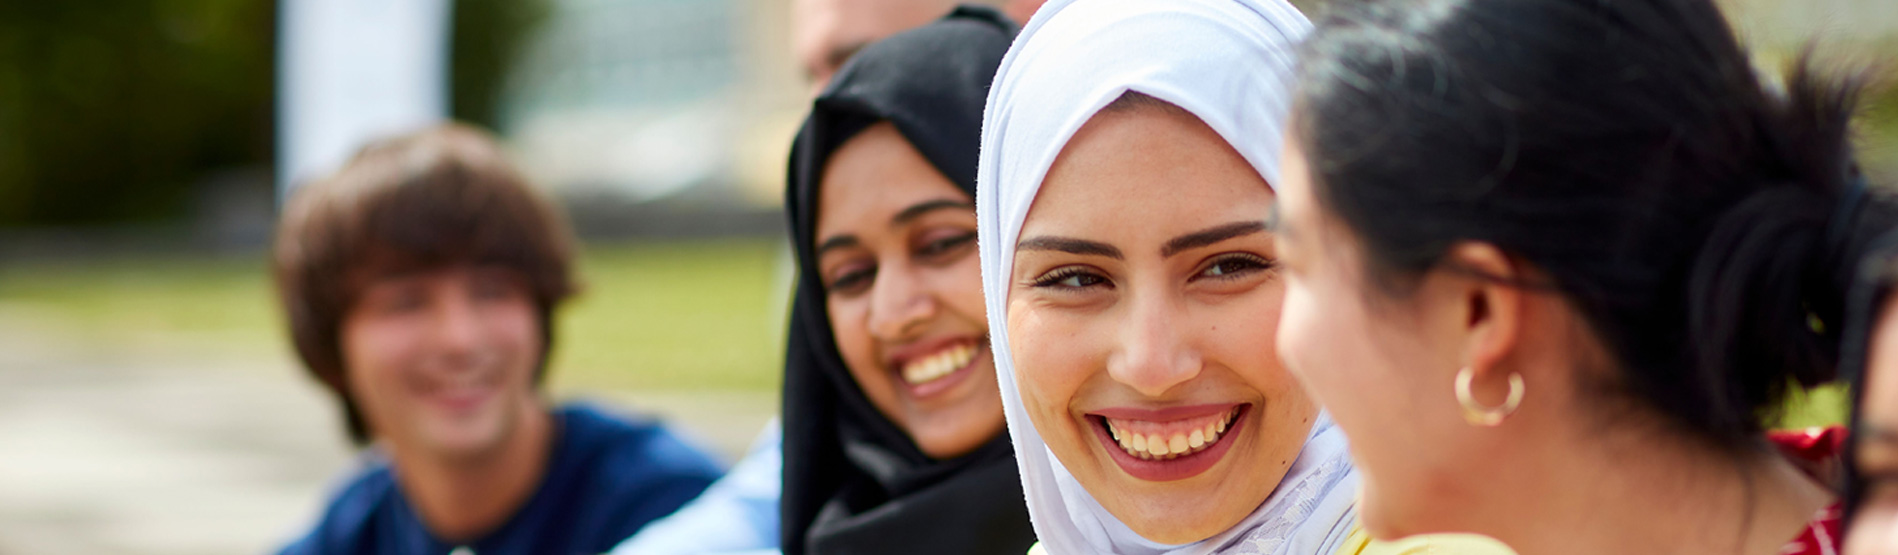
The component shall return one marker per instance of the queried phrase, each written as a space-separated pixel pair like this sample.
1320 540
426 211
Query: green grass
679 315
683 315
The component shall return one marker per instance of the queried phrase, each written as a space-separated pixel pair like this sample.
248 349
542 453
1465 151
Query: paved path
121 453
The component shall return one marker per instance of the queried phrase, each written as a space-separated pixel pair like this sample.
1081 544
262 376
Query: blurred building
692 102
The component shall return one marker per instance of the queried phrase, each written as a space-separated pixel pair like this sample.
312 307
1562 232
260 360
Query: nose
899 303
457 325
1153 354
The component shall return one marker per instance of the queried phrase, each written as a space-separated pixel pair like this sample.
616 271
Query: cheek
1874 530
1325 340
377 352
1052 358
849 326
1301 330
515 328
375 349
959 287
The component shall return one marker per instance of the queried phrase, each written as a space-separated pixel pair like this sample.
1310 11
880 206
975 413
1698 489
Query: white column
352 71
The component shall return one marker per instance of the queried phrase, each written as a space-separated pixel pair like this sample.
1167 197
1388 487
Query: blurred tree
487 37
111 109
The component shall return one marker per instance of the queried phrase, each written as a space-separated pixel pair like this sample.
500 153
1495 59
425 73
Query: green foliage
1878 131
487 37
111 109
114 111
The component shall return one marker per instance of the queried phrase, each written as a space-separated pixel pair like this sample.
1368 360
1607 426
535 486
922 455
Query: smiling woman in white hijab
1128 152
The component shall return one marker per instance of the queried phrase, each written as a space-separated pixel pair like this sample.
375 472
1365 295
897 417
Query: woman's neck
462 499
1597 491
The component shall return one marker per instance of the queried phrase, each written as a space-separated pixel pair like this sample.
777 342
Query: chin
1166 526
950 444
469 439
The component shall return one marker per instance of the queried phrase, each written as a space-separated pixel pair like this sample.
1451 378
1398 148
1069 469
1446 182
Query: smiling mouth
940 364
1165 441
463 391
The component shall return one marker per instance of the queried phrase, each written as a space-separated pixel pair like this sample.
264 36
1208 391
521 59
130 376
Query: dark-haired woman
1551 264
893 422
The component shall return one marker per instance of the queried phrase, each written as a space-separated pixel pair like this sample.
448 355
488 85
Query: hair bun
1748 301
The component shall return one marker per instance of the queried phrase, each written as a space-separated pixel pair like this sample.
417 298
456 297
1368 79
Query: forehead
1296 208
1146 174
874 175
820 26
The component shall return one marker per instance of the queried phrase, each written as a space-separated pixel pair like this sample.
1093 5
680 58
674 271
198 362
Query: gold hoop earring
1487 417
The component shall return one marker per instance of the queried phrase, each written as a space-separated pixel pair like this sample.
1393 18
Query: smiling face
896 252
443 362
1141 311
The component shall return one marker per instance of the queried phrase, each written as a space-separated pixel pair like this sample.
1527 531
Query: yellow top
1360 543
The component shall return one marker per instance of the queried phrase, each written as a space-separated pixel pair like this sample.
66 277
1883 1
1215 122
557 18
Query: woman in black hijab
894 437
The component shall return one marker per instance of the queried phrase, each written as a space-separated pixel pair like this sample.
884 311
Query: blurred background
149 401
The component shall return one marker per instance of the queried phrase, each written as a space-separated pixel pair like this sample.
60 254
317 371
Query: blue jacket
607 478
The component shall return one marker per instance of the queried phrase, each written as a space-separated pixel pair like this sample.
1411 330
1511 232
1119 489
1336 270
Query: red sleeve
1817 450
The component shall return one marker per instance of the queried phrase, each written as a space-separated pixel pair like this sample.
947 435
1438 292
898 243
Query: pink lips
1178 468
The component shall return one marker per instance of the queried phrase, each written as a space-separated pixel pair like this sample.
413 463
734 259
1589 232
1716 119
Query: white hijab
1229 62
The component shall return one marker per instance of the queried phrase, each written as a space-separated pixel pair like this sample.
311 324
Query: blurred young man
420 284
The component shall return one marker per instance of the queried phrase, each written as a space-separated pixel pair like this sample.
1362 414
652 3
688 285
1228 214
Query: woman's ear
1491 296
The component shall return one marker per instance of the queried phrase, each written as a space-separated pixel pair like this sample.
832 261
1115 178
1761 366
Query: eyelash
1053 279
852 281
1255 263
935 250
942 246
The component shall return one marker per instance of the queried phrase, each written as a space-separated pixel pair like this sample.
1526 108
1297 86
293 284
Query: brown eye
852 280
396 299
1070 277
1235 265
943 247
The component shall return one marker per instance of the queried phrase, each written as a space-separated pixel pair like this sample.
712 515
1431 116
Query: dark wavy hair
1701 219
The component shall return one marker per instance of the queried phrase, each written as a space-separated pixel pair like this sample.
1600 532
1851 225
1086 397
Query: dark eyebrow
1210 236
925 207
838 242
1880 434
1069 245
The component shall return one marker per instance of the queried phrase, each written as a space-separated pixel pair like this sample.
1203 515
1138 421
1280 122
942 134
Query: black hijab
853 481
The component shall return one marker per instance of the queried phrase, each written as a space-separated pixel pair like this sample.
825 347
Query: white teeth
1155 446
935 366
